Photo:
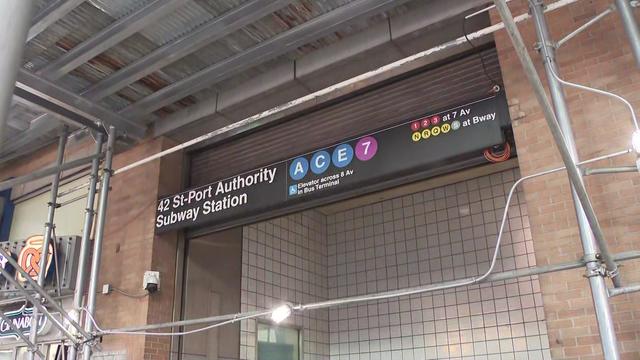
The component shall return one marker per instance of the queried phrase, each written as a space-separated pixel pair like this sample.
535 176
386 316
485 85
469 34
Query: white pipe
231 318
316 96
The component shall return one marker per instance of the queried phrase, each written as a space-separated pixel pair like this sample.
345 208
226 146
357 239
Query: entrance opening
213 272
423 233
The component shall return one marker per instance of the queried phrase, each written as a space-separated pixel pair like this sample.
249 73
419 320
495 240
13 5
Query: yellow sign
435 131
426 134
445 128
416 136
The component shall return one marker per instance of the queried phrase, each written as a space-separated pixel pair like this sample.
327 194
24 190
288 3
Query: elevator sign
414 146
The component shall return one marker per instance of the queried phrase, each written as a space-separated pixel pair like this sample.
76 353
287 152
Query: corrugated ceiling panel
453 83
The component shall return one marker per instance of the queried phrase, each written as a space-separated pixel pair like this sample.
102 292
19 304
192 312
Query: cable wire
474 47
378 296
127 294
182 333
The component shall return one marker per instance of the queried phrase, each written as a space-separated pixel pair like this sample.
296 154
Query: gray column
630 27
15 19
86 241
99 236
589 243
47 237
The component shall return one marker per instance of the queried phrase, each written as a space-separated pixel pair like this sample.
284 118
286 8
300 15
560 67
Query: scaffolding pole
556 131
630 27
500 276
48 231
596 277
86 237
53 170
99 237
36 303
32 347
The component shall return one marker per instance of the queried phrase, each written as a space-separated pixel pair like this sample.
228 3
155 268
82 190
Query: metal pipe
72 200
584 26
99 237
467 281
630 27
15 20
31 299
74 189
501 276
572 170
32 347
589 243
564 123
40 291
53 170
624 290
86 239
260 119
610 170
48 230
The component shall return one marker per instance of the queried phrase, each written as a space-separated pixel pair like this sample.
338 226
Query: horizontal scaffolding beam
110 36
624 290
280 44
213 30
79 110
53 12
501 276
8 184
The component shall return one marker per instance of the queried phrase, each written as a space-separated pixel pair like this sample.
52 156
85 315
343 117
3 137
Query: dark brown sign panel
413 146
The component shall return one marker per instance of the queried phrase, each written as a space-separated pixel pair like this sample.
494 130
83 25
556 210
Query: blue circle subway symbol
298 168
320 162
342 155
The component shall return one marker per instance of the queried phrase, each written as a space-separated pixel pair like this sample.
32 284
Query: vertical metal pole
15 19
85 242
630 27
590 246
48 229
99 237
33 347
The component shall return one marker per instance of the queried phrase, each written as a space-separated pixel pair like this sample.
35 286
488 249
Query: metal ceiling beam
110 36
427 14
22 144
50 14
215 29
264 51
53 98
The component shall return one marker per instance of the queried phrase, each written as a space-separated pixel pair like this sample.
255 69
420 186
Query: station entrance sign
410 147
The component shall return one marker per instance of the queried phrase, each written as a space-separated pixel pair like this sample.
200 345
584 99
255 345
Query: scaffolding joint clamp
108 171
613 273
599 271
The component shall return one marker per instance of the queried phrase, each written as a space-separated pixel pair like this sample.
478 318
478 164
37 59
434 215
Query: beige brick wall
130 246
600 57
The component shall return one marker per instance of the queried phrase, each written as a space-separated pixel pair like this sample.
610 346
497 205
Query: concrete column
15 19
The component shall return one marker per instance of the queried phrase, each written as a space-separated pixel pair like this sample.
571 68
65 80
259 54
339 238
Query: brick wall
599 57
130 246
